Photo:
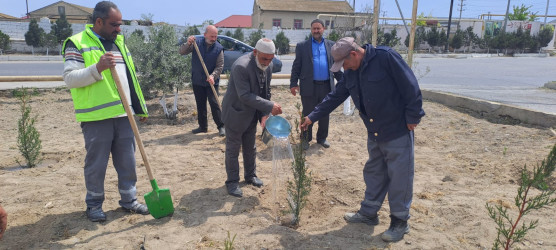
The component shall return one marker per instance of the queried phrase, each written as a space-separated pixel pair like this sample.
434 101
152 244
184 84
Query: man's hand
411 127
143 118
105 62
305 124
294 90
277 109
3 221
263 121
210 80
190 40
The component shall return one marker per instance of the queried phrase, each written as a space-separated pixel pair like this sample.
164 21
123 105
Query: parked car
234 48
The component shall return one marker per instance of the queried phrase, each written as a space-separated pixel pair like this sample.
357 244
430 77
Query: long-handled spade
158 201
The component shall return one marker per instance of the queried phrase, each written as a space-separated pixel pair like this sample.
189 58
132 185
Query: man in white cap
387 95
246 102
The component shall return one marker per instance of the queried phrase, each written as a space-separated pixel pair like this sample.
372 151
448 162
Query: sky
189 12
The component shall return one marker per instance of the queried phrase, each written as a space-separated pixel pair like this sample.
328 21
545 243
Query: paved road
516 81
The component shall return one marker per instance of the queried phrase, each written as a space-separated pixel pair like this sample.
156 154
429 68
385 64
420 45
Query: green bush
282 43
159 65
255 37
4 42
28 138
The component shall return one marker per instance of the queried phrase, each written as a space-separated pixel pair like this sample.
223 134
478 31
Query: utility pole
460 10
27 3
449 25
506 18
376 13
546 12
412 34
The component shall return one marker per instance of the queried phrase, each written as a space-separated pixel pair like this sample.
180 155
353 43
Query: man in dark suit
246 102
312 68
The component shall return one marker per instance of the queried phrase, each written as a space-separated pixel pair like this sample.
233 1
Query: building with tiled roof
294 14
235 21
74 13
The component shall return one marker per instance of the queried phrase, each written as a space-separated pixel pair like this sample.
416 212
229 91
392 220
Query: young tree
390 39
469 37
61 29
522 13
282 43
4 42
159 66
333 35
238 34
433 37
254 37
28 138
509 230
34 37
457 40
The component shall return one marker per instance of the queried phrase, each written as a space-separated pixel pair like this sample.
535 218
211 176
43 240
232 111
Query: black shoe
138 208
305 145
254 181
324 143
359 218
234 190
199 130
222 132
398 228
95 214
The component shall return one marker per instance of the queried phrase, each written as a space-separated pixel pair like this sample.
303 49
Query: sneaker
359 218
396 230
138 208
95 214
199 130
221 132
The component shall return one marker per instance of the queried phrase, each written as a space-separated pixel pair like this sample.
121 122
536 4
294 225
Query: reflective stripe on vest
106 102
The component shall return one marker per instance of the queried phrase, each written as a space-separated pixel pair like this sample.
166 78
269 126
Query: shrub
28 138
282 43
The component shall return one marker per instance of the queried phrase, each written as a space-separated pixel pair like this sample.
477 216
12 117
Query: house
4 17
74 13
296 14
235 21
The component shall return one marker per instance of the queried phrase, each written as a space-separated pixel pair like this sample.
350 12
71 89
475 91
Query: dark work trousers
245 140
389 170
309 103
201 95
102 138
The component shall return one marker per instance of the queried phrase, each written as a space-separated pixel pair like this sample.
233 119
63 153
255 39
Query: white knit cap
265 45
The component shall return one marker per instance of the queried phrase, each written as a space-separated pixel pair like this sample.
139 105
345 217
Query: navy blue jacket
198 75
386 87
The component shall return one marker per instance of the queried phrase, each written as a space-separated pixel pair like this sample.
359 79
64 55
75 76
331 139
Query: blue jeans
102 138
389 170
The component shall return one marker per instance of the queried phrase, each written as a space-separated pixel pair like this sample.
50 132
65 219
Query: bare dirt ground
462 162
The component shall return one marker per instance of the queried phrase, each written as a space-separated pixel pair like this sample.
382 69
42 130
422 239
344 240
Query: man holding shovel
247 101
89 55
213 59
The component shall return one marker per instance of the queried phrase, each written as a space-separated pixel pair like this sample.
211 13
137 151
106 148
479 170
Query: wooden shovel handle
207 73
131 121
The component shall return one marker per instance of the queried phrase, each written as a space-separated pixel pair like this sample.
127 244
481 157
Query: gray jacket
241 101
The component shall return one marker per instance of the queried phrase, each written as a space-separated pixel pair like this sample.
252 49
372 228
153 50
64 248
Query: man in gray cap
246 102
387 95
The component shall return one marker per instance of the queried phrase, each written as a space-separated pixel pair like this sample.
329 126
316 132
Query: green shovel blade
159 201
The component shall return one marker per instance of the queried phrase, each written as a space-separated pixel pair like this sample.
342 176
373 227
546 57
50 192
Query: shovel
158 201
